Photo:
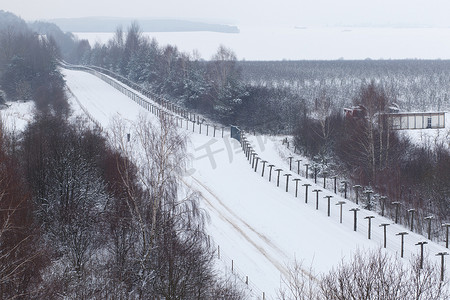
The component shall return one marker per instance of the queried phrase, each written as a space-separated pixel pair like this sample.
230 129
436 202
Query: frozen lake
312 43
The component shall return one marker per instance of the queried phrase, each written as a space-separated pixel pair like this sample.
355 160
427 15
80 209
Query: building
417 120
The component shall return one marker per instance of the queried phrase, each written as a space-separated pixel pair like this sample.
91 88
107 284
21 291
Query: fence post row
165 104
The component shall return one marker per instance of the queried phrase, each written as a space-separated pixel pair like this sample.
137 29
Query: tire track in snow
280 267
265 239
260 235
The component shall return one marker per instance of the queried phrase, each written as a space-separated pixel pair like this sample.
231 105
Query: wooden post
329 203
317 197
306 185
421 252
340 203
290 163
354 210
307 165
384 225
369 230
296 185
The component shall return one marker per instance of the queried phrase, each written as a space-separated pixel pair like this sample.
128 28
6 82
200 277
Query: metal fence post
296 185
340 203
287 181
329 203
355 218
317 191
384 225
278 178
421 252
306 185
369 230
402 234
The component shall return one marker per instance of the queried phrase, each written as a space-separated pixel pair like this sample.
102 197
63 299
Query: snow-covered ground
258 225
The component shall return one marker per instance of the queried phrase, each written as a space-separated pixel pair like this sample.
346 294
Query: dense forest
82 218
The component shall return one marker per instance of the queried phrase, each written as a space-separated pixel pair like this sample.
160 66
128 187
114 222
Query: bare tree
376 275
173 258
300 284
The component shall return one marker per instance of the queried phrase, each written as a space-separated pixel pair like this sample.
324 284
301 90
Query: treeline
364 149
416 85
28 66
214 88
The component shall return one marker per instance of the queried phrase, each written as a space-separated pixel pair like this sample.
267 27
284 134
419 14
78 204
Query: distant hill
9 21
105 24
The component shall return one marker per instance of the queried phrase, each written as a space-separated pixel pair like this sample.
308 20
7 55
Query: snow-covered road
258 225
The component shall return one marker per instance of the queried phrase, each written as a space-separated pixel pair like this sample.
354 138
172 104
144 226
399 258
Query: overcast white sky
240 12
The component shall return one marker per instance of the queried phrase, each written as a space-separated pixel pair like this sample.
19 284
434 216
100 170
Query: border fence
193 122
184 119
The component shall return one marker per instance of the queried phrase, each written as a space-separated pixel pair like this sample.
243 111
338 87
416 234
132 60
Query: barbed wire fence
155 104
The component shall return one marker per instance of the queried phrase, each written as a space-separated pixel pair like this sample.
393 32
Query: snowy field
312 43
258 225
